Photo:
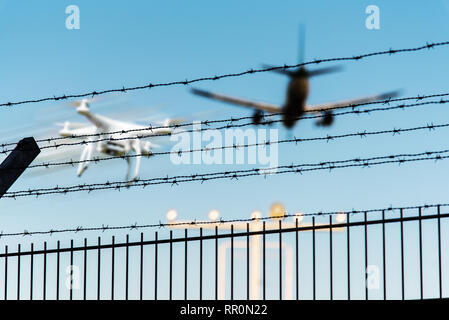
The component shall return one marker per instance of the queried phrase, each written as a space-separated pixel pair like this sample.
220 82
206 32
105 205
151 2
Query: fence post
16 163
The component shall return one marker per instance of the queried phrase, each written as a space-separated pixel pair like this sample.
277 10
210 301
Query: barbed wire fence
233 123
296 141
230 123
236 174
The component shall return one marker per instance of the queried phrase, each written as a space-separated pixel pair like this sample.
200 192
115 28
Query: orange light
277 211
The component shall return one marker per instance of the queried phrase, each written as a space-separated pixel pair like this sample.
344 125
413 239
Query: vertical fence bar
439 254
402 255
18 272
264 263
85 270
57 269
348 252
216 262
366 256
330 259
170 281
44 284
297 259
247 261
232 262
201 263
112 266
141 266
155 266
313 259
280 259
185 265
127 268
384 255
99 269
6 272
71 269
31 270
420 255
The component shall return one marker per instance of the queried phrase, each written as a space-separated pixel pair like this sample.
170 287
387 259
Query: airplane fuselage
297 93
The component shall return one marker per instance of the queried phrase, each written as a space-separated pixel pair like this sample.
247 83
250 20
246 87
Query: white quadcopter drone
129 142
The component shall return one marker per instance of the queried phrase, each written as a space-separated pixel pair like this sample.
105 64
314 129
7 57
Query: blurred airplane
295 105
296 96
101 126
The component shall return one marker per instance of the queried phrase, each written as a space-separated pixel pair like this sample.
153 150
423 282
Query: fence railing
389 255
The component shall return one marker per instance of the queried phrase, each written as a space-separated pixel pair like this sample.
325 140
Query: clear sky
133 43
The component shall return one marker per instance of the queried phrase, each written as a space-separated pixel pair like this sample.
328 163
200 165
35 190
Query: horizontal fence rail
402 256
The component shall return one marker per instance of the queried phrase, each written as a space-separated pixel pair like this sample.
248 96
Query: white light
171 215
256 215
299 216
341 217
214 215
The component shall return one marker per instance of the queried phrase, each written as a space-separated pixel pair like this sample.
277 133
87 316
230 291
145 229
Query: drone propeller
71 125
77 103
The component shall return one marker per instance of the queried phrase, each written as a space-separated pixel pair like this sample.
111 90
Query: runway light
214 215
256 215
171 215
341 217
277 211
299 216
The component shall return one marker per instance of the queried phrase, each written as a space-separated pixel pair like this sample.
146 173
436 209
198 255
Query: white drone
129 143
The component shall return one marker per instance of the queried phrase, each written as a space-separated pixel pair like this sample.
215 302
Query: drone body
105 136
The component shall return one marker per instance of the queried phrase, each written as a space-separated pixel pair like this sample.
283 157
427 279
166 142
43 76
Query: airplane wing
334 105
261 106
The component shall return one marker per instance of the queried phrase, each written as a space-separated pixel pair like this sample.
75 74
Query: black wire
229 75
135 226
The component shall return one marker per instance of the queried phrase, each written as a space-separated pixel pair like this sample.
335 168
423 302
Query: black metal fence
387 255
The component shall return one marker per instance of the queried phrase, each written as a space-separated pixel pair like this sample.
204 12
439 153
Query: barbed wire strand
136 226
428 45
235 174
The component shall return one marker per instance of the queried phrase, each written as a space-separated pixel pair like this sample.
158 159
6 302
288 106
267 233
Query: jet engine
326 120
257 117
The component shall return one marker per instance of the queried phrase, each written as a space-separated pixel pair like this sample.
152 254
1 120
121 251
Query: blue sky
127 44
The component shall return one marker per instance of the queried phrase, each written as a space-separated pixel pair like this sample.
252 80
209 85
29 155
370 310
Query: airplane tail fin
301 43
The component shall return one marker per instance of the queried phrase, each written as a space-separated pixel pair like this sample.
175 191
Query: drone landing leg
85 158
138 150
128 173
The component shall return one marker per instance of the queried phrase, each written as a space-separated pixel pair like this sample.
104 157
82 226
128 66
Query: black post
16 163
